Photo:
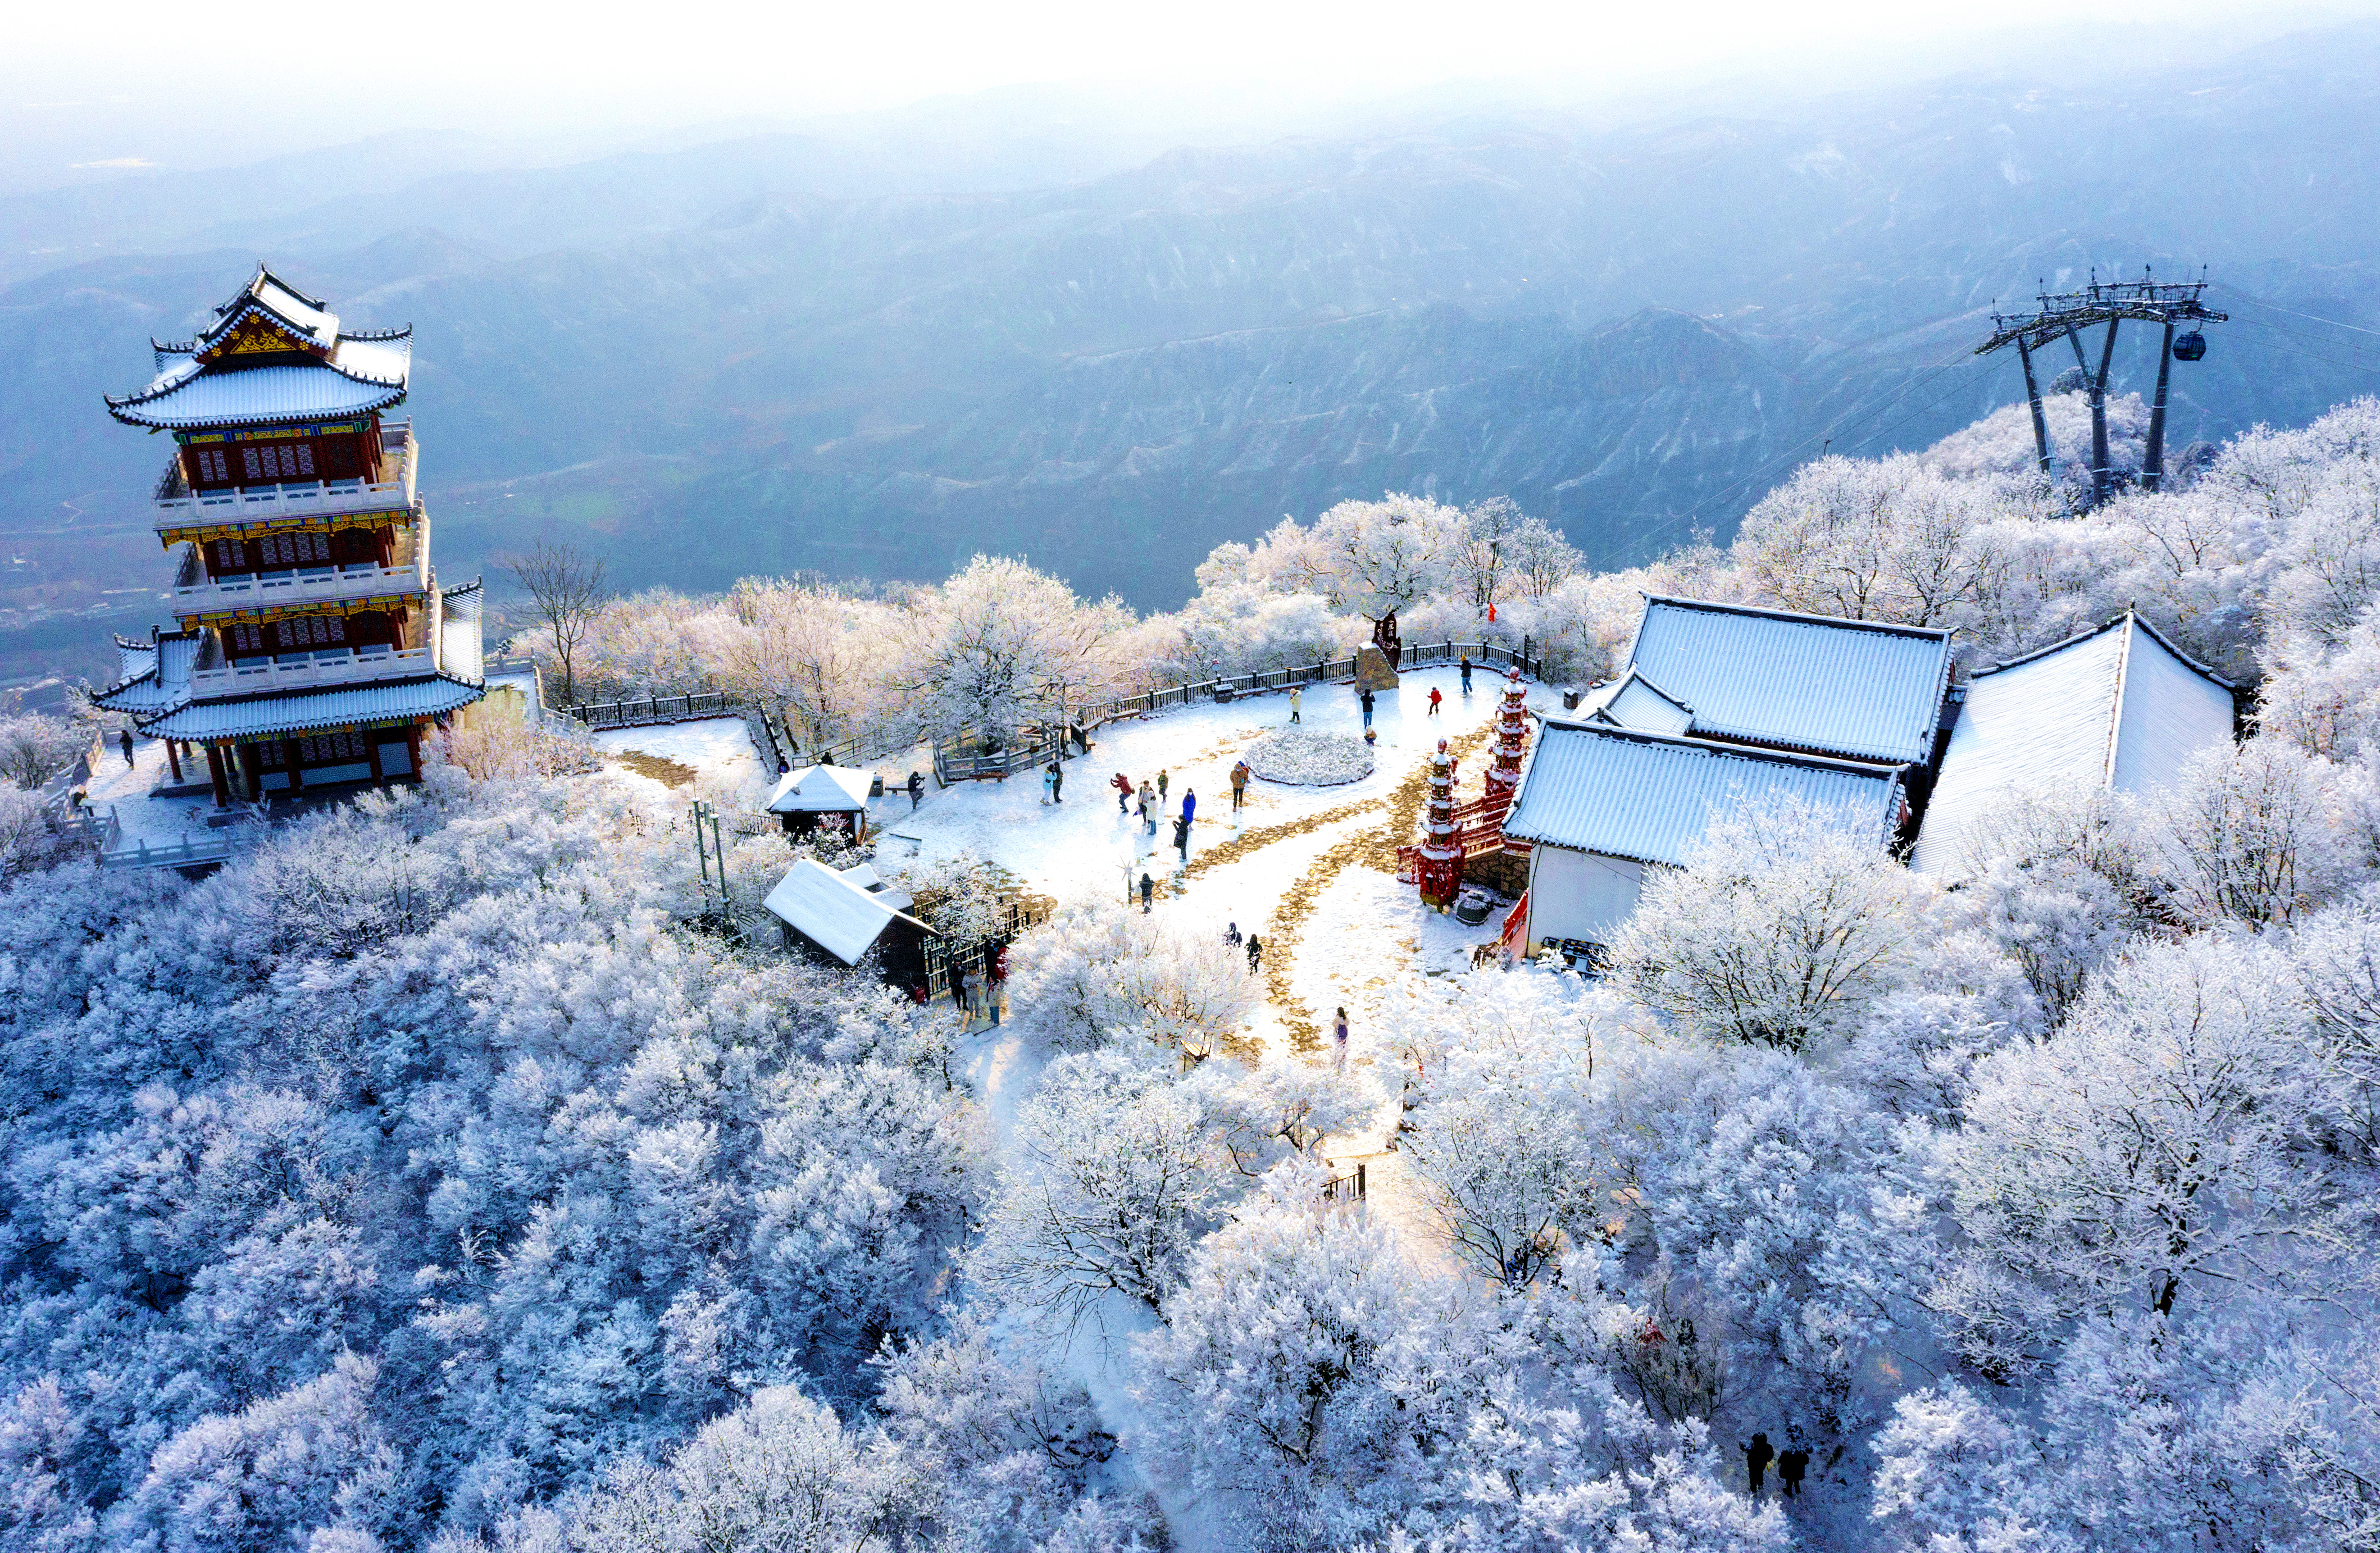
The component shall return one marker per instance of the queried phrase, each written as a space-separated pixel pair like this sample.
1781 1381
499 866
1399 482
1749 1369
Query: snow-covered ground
717 749
1301 866
128 791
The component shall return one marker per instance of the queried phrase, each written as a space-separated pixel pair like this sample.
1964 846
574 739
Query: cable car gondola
2189 347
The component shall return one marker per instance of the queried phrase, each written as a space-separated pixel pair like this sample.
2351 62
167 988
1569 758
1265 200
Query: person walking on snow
1148 807
1434 699
916 790
1339 1040
1161 779
1122 784
1256 953
1367 698
975 993
1297 701
1189 805
1756 1457
1790 1465
1467 674
1182 839
124 737
1049 783
1057 782
1231 932
999 979
1147 885
1240 775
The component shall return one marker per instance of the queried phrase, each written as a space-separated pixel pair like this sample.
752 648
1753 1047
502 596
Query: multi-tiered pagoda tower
314 646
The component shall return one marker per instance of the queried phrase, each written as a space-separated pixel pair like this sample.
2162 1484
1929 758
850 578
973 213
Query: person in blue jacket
1189 805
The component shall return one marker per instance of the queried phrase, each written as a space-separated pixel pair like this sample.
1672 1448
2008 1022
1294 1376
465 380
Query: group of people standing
1793 1465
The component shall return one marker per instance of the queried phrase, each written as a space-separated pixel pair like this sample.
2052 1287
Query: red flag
1491 614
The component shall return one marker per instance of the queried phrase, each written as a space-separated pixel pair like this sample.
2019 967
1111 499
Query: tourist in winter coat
1339 1040
1467 674
916 790
1296 704
1790 1465
1366 697
1255 951
1122 784
1148 807
1182 837
1189 805
1756 1457
1049 783
1240 775
1057 782
1434 699
1147 885
1161 779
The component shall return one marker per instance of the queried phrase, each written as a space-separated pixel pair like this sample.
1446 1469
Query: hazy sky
132 81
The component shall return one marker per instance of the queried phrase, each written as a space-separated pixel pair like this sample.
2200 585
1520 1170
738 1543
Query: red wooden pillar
215 769
174 760
372 753
413 748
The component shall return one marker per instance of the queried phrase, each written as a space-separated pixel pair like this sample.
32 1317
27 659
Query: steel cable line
2274 307
2309 356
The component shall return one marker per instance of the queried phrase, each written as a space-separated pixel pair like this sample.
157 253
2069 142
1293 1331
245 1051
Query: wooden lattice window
314 630
294 549
324 748
262 461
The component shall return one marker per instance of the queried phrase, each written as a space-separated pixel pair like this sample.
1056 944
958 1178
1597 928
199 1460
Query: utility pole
2165 304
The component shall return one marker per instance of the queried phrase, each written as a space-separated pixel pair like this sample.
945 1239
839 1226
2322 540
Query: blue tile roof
1649 797
303 711
1865 690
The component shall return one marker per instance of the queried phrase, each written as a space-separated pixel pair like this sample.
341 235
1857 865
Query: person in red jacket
1122 784
1434 699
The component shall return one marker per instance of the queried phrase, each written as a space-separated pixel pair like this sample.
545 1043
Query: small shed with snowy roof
1599 805
2119 708
816 796
837 915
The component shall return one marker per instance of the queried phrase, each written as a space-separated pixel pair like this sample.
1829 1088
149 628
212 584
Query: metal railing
954 761
179 507
1227 687
654 710
1348 1188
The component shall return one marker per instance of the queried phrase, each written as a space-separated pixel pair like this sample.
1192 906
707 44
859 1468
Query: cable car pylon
2109 302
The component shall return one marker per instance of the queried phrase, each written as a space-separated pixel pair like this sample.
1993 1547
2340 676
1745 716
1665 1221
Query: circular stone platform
1309 759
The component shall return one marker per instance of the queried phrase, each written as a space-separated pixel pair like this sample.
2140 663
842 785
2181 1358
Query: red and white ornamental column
1511 742
1439 869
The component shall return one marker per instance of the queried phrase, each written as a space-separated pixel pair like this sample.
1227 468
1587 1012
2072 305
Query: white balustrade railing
306 585
263 674
178 507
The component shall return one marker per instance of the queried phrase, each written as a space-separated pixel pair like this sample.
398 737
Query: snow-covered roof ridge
1648 797
820 789
831 911
2133 615
223 377
1634 701
1863 689
2117 708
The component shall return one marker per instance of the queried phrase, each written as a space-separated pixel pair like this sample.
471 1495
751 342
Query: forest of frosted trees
436 1176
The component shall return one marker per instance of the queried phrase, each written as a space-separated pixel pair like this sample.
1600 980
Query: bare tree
568 590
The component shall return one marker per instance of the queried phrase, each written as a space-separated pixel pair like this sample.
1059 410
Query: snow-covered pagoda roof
1862 689
821 790
2119 707
1648 797
832 912
156 686
308 711
1634 701
271 355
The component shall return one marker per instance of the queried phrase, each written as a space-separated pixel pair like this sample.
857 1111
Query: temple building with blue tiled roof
312 645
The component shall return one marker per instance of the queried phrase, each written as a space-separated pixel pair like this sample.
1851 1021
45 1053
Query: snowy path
1303 862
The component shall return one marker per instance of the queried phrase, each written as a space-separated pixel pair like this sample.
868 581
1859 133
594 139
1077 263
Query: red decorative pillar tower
1511 742
1438 867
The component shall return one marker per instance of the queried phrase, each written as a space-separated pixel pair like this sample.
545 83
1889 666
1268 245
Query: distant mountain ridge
1630 331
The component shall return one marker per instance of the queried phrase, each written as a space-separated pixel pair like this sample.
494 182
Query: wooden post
413 748
215 770
289 754
372 753
174 761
